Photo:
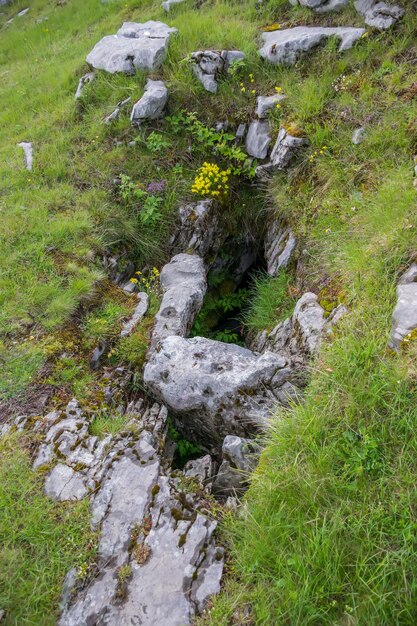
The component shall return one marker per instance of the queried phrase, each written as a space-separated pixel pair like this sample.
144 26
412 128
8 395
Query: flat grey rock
213 388
264 104
27 148
136 46
63 483
380 15
183 283
284 47
139 313
152 104
258 139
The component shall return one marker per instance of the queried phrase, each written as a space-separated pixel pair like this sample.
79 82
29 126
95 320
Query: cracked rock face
258 139
286 149
199 230
379 14
183 283
152 104
239 459
214 388
284 47
404 319
280 244
135 46
264 104
208 65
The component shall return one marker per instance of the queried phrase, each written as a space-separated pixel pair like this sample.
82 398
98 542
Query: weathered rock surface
214 388
298 337
148 520
139 313
135 46
27 148
321 6
209 65
280 244
240 457
152 104
286 149
358 136
170 3
183 283
84 80
404 319
258 139
264 104
199 230
379 14
116 112
284 47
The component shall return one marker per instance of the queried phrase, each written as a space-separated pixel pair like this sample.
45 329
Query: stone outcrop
183 284
264 104
139 313
157 560
280 244
286 149
239 459
258 139
404 319
199 230
380 15
215 389
135 47
284 47
152 104
321 6
84 80
209 65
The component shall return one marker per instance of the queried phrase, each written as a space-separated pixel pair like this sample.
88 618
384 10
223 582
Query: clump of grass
270 301
108 423
40 540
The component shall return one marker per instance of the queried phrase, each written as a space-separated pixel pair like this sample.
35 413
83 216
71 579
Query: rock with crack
380 15
199 230
213 388
264 104
258 139
183 284
299 337
209 65
152 104
116 112
136 46
285 47
404 319
286 149
321 6
239 459
84 80
27 148
148 520
280 244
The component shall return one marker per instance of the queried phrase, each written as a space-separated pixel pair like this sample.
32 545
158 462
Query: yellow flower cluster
149 283
211 180
317 153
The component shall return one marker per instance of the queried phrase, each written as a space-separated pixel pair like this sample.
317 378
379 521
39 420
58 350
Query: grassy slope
330 531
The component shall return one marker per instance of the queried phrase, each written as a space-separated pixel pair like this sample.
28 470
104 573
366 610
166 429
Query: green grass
269 302
40 540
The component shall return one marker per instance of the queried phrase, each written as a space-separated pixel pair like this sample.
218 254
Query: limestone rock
239 460
286 149
84 80
116 112
135 46
280 244
258 139
63 483
321 6
183 283
209 65
151 105
201 469
138 315
213 388
358 136
264 104
404 319
380 15
284 47
170 3
198 229
28 152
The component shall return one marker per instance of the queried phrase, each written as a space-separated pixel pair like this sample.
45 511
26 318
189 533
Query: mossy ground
330 532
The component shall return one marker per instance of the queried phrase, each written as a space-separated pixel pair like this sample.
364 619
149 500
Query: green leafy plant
185 449
155 142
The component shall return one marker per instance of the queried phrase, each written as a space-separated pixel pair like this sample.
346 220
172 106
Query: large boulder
404 319
183 283
135 47
214 388
152 104
284 47
380 15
